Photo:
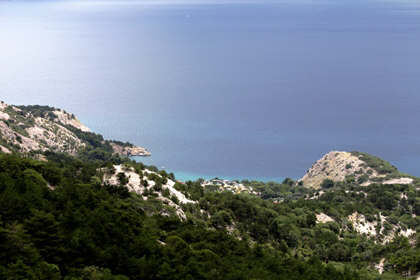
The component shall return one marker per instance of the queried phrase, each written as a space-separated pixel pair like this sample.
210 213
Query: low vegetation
378 164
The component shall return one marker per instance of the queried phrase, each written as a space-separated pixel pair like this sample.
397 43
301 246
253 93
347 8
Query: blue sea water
234 89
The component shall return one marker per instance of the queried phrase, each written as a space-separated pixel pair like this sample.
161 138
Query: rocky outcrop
401 181
41 128
376 228
69 119
140 182
4 150
4 116
25 131
335 165
129 150
323 218
362 168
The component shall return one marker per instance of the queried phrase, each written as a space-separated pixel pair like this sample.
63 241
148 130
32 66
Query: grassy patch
380 165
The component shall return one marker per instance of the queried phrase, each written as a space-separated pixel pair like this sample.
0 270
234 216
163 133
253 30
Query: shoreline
185 176
189 176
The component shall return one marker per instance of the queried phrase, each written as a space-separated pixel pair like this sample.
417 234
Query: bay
230 89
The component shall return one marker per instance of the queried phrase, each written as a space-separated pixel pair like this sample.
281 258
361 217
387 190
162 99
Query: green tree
327 183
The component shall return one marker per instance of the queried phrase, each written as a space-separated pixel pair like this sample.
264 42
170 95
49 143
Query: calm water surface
256 90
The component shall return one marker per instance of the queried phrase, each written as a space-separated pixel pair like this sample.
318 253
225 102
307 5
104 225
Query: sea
225 88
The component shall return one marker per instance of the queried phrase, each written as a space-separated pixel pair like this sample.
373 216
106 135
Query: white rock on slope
380 266
68 119
401 181
362 226
50 130
134 185
134 182
5 150
4 116
323 218
170 186
335 165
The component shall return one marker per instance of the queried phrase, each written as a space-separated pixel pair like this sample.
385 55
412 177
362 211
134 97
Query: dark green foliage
122 178
288 181
120 191
193 189
378 164
327 183
84 230
273 190
363 178
38 111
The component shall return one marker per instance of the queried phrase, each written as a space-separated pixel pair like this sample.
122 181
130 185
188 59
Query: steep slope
38 129
147 183
363 168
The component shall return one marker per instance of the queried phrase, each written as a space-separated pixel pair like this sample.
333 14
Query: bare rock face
141 183
360 167
335 165
129 150
40 128
323 218
136 151
33 129
70 119
4 116
376 228
4 150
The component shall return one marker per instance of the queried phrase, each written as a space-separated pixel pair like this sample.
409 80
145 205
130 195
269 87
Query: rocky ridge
37 129
362 168
129 150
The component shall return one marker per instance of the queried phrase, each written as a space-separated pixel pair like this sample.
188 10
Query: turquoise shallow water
185 176
189 176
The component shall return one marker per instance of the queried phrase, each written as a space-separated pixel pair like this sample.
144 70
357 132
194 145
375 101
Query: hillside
66 217
363 168
86 213
37 129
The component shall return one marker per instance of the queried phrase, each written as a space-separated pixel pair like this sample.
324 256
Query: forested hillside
57 220
95 214
56 223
